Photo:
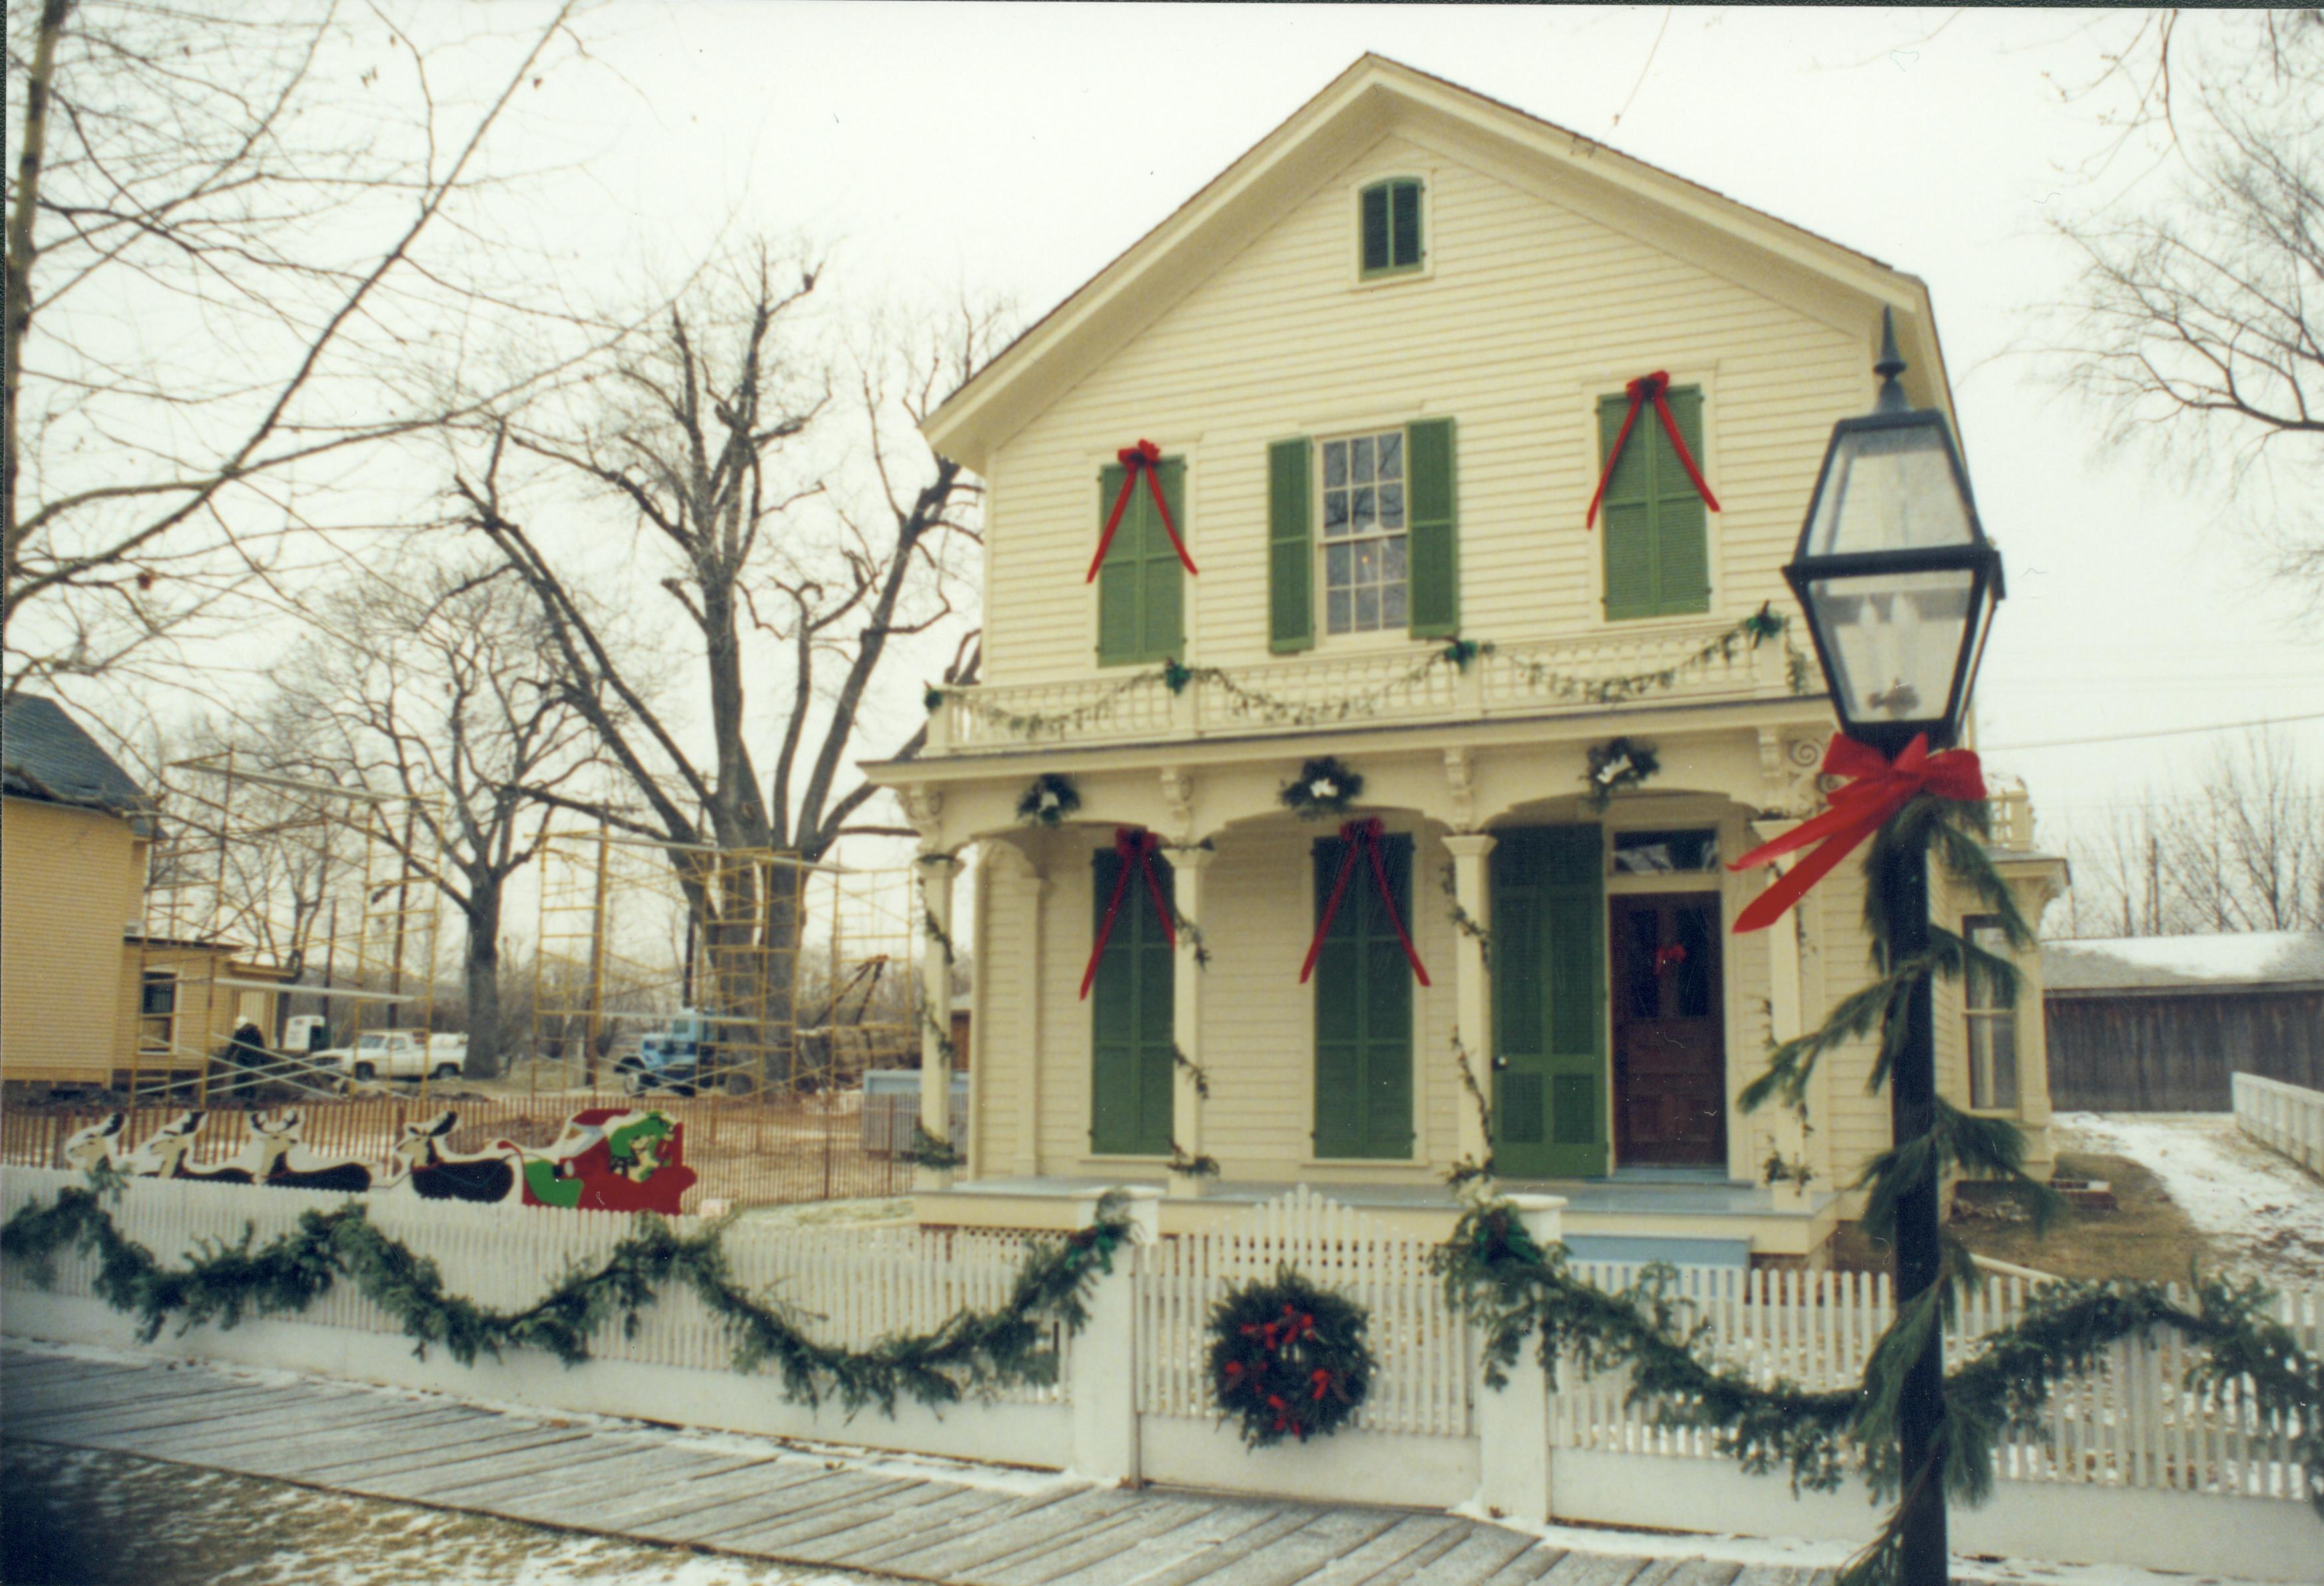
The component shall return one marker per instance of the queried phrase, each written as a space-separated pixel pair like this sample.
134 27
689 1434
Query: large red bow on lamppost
1135 850
1881 788
1146 458
1639 390
1362 835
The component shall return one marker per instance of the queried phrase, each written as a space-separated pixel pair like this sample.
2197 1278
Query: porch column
1188 866
1472 985
936 873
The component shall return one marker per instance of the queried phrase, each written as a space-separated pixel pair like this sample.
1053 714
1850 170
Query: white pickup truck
397 1054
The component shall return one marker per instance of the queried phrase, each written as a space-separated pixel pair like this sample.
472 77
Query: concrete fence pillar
1513 1420
1103 1380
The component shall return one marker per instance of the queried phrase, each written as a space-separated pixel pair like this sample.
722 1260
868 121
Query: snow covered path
2264 1213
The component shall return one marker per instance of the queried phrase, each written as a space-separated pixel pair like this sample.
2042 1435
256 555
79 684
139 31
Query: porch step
1637 1250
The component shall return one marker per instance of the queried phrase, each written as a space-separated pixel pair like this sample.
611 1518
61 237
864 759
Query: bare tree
711 439
2197 323
214 278
2243 853
433 685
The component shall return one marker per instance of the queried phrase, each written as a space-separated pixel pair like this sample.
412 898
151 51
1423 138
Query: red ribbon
1146 458
1880 789
1639 389
1364 835
1135 847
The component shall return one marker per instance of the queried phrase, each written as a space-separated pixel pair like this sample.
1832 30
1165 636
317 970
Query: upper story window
1364 533
1992 1022
1390 226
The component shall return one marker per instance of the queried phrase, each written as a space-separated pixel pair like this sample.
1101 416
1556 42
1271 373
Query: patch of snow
2263 1212
2230 957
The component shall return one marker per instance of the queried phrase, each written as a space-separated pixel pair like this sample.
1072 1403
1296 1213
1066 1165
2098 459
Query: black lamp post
1899 584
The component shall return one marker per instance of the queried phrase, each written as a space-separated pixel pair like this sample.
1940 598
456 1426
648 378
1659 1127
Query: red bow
1136 848
1364 835
1145 457
1880 789
1639 389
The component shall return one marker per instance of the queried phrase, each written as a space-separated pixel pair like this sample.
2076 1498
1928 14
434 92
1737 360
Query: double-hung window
1361 536
1992 1022
1364 533
1390 224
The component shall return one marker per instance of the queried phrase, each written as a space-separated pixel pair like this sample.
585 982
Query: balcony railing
1701 663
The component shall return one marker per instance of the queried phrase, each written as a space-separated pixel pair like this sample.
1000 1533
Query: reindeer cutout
168 1149
272 1140
489 1176
97 1146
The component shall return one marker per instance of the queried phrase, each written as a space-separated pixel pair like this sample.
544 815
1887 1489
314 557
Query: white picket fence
2141 1465
2284 1118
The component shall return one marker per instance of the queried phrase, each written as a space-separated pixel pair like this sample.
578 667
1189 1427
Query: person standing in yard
246 1053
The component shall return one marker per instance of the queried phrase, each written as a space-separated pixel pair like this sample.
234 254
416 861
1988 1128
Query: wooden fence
2174 1050
746 1151
2286 1118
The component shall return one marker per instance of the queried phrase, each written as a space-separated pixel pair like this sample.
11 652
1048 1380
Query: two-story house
1383 362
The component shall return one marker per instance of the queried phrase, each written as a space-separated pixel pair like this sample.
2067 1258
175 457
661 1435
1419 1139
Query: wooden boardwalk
763 1498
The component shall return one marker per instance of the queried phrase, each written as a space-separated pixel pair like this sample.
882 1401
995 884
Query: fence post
1512 1421
1103 1383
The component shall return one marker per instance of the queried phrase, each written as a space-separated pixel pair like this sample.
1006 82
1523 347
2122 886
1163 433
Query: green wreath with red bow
1288 1359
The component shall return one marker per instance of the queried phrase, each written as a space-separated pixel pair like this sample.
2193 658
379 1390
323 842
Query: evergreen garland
970 1351
1761 627
927 1151
1288 1359
1202 1166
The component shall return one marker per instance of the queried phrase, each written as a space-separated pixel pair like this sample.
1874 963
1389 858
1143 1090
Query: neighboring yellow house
74 833
85 998
1383 359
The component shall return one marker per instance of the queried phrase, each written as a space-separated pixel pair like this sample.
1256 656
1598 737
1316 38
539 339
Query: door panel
1549 1069
1670 1048
1130 1011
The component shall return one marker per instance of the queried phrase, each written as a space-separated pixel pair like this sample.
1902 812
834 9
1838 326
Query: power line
2315 716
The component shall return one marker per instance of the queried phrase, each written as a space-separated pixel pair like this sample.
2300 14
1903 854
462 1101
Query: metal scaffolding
251 878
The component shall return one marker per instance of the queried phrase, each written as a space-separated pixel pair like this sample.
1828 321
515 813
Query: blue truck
681 1058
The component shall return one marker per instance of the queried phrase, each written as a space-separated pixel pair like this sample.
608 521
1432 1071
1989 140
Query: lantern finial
1891 364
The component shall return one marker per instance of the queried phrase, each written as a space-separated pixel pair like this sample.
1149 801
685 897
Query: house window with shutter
1370 521
1389 227
1364 1010
1657 530
1992 1023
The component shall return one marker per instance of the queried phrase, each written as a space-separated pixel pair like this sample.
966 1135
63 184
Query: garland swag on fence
969 1352
1762 625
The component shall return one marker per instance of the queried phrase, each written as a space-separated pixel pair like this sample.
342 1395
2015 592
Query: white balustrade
2286 1118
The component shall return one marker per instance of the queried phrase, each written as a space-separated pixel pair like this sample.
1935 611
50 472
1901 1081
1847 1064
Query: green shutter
1549 1002
1658 535
1364 1010
1140 587
1131 1006
1375 228
1290 548
1431 529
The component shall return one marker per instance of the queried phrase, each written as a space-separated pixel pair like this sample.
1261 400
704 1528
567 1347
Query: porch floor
1681 1218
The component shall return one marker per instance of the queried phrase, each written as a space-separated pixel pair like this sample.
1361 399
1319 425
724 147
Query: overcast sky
1016 149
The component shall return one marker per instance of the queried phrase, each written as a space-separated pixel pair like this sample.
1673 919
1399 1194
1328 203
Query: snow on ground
2263 1213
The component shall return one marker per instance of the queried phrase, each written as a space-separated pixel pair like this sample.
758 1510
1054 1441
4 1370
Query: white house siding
1529 313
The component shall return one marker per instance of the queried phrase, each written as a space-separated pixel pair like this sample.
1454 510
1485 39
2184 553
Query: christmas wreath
1288 1359
1616 764
1324 787
1048 801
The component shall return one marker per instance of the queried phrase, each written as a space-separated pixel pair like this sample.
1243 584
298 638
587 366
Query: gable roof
2240 960
44 754
1373 98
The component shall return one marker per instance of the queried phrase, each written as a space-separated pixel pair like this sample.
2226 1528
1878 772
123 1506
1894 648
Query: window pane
1335 513
1392 605
1406 225
1391 507
1992 1061
1984 931
1366 608
1391 455
1641 853
1644 989
1364 510
1367 561
1693 970
1336 462
1336 609
1338 565
1392 559
1360 459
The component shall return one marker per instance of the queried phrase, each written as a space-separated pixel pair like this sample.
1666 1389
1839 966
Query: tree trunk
484 973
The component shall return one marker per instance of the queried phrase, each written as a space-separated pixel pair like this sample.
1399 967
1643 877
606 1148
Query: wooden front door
1549 1012
1670 1048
